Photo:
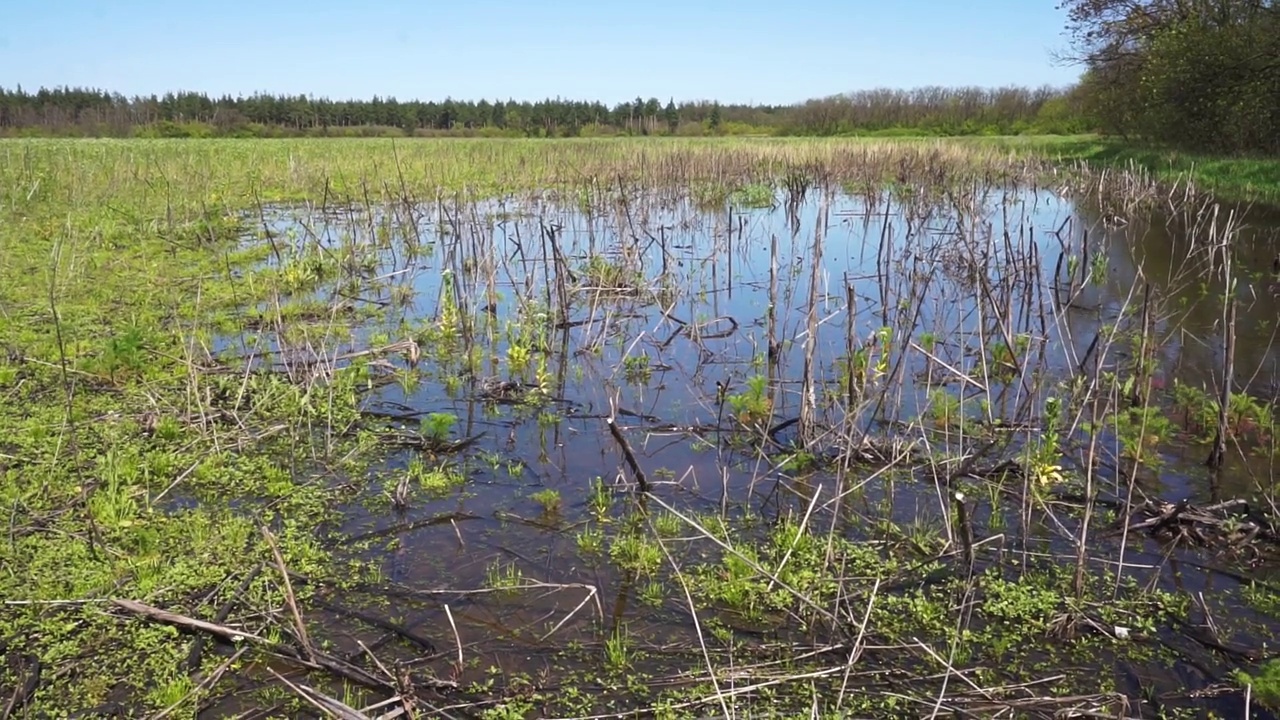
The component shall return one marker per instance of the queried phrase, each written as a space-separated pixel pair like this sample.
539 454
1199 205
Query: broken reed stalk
965 528
1218 455
775 347
69 392
630 456
563 273
809 399
328 705
1142 373
289 597
851 312
1078 581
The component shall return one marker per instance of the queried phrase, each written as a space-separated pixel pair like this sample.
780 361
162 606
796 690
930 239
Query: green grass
1231 178
120 474
236 172
1243 179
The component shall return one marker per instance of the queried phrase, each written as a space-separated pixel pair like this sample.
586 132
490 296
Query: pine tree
672 116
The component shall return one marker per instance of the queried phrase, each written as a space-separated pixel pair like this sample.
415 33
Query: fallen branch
628 455
25 690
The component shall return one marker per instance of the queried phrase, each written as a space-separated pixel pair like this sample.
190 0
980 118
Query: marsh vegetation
507 429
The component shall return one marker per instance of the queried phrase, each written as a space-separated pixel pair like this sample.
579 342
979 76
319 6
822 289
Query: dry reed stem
290 599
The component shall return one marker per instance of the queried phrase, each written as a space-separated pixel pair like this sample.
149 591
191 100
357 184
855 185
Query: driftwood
227 634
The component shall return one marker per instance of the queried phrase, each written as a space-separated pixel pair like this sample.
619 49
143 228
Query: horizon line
18 88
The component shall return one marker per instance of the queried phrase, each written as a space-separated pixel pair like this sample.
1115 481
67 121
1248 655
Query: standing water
901 451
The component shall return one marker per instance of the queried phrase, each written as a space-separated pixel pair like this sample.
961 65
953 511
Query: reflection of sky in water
908 265
911 266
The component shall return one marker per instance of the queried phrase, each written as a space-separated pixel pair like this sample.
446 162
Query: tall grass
189 172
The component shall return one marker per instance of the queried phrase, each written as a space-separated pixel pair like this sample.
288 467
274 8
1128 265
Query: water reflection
887 316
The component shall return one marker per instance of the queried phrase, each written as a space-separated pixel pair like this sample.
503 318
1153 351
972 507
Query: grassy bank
1243 179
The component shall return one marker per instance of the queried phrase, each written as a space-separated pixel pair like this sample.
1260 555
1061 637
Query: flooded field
896 435
806 436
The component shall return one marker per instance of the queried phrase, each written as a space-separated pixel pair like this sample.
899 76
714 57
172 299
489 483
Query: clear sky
762 51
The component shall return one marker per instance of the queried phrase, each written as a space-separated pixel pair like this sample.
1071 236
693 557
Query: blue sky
777 51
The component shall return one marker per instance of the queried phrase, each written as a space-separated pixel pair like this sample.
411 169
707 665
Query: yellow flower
1047 474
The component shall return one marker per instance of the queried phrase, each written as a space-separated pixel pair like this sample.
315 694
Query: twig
629 455
380 623
197 645
23 692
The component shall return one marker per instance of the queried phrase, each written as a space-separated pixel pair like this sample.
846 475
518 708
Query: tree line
73 111
1199 74
946 111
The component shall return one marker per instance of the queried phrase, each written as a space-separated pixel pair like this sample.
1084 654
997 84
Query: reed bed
185 174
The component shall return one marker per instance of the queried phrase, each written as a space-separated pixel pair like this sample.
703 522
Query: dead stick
24 692
336 666
314 660
327 705
1219 453
966 529
153 613
290 598
630 456
197 646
